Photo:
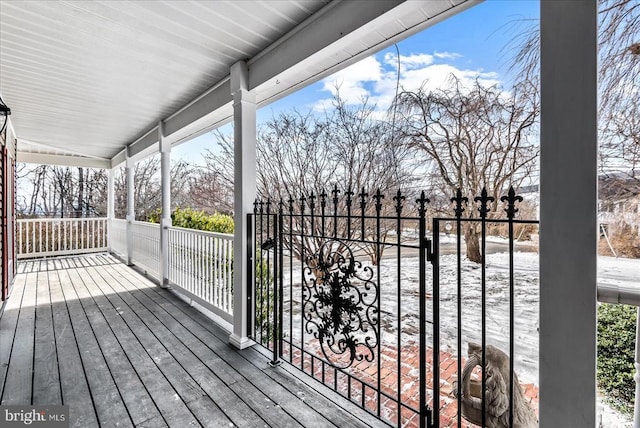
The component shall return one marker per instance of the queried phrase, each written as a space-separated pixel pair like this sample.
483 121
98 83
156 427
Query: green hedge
192 219
616 347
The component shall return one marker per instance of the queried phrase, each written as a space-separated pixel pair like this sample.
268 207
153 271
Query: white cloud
410 62
351 82
376 79
447 55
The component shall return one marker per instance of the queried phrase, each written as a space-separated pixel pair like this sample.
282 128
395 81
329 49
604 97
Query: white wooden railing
118 236
43 237
201 263
145 245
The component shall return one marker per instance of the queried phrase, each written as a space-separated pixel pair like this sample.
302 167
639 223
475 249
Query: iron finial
459 200
484 200
378 198
399 198
511 199
422 202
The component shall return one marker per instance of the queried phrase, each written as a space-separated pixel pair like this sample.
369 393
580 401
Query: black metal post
511 211
422 296
291 249
363 203
399 205
276 285
483 210
302 297
280 255
435 262
335 193
251 265
267 280
349 194
378 198
260 292
458 199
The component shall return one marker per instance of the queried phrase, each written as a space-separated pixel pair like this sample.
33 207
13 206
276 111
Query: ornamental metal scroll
340 302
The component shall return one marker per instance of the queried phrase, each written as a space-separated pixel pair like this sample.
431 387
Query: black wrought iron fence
348 287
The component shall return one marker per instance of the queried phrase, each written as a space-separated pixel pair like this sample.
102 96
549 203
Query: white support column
165 221
131 211
244 122
568 213
110 205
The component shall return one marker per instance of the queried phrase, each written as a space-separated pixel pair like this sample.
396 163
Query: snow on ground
399 295
619 271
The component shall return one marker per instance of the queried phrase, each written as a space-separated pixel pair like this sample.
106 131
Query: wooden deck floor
91 333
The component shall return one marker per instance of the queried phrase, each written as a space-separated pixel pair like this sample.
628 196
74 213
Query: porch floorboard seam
89 332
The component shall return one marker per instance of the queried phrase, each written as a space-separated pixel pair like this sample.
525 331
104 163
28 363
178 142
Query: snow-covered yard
399 302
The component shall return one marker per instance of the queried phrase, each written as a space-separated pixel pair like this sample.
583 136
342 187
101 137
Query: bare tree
210 187
474 138
58 191
618 80
307 155
147 191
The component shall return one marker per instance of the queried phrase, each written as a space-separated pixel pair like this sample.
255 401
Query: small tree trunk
472 243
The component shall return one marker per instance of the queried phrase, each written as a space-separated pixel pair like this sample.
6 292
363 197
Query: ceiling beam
322 36
343 25
214 99
63 160
119 159
328 26
143 143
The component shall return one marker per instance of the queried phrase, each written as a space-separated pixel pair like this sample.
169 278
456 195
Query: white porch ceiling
85 79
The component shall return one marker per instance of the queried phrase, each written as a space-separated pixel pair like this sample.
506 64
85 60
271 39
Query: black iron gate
342 291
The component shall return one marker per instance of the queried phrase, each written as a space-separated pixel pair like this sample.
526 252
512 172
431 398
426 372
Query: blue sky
472 45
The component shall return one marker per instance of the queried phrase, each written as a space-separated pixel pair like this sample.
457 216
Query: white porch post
131 212
165 221
244 121
110 205
568 217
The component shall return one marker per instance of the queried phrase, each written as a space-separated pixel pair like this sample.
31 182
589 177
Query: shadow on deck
93 334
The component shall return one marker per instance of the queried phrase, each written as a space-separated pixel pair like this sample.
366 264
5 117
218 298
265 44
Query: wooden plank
156 422
8 325
186 344
46 378
323 398
252 379
236 411
208 412
151 341
20 267
316 394
75 389
107 400
139 403
18 383
146 356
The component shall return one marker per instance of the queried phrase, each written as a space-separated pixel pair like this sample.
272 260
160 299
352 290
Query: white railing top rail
145 223
611 293
58 219
202 232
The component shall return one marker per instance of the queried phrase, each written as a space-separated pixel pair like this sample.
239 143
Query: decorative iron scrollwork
340 305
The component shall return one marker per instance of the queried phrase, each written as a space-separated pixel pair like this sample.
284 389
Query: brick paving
363 379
